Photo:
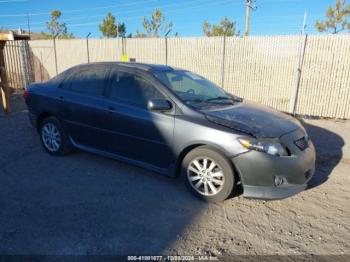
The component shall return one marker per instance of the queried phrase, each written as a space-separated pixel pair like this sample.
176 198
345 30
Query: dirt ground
85 204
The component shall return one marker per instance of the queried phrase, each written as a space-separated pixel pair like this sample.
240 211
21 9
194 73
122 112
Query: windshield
194 89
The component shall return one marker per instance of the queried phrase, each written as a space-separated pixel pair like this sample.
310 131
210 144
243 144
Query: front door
140 134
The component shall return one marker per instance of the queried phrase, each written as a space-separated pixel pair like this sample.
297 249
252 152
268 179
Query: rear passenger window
90 80
133 89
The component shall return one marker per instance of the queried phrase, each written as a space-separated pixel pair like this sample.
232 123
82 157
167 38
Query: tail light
25 94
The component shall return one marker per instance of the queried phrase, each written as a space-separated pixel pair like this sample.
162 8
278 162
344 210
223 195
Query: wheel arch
43 115
66 145
191 147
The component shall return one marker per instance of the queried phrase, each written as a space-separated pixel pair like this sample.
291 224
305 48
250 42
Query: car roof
140 66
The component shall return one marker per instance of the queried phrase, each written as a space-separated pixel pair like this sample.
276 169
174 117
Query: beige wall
262 69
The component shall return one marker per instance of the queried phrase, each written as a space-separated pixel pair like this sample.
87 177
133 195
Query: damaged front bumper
259 171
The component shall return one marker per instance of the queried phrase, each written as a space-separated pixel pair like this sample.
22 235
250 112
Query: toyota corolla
176 123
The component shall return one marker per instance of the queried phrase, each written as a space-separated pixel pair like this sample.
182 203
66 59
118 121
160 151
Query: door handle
61 98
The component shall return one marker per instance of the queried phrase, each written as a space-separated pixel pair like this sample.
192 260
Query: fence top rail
345 35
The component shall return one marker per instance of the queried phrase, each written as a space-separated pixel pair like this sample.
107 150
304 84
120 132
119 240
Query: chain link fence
307 75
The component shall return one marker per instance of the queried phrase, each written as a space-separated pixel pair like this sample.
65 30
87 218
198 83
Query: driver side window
133 89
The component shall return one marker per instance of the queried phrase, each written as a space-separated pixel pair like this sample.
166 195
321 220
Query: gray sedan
174 122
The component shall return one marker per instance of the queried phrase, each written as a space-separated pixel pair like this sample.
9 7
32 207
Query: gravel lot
86 204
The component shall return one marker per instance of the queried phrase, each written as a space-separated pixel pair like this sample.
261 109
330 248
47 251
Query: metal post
30 63
166 46
294 98
166 50
41 66
87 47
223 62
118 46
54 48
123 46
24 63
304 24
4 88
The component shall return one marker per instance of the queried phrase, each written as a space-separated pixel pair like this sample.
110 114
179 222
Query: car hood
255 119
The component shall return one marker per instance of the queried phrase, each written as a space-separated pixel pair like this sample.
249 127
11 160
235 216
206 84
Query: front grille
302 143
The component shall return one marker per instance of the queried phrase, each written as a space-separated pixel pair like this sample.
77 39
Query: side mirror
159 105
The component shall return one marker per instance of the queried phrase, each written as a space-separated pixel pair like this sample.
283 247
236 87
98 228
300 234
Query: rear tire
53 137
208 174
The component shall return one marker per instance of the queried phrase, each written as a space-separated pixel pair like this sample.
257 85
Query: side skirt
167 172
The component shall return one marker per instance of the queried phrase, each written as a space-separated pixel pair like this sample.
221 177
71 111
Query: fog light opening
280 180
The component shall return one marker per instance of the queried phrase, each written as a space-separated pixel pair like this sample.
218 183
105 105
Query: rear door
86 108
140 134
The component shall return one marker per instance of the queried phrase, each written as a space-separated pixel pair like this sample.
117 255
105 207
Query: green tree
156 26
225 27
336 18
57 29
110 29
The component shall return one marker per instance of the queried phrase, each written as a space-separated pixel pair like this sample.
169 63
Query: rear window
60 77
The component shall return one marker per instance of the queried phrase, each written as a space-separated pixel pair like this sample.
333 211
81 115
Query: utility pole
55 53
249 5
87 47
248 2
28 23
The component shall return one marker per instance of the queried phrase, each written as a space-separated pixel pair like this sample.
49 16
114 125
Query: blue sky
272 17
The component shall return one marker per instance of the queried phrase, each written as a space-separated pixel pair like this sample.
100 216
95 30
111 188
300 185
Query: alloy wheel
205 176
51 137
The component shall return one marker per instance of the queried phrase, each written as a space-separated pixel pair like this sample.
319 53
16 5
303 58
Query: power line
81 10
121 14
143 9
264 20
136 10
12 1
23 15
281 1
102 15
110 6
165 12
257 18
207 4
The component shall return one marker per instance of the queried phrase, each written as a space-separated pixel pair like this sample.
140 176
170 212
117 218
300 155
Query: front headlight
267 146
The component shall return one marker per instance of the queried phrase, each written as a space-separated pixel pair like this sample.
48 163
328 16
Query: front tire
53 137
208 174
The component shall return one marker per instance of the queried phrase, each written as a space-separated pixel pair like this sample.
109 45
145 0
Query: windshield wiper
212 100
220 98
